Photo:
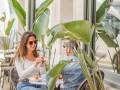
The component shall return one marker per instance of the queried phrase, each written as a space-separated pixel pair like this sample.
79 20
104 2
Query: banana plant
19 11
67 30
41 15
40 25
78 30
4 39
100 30
102 11
5 42
82 30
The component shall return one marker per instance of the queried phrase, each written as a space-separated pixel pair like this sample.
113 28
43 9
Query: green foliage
4 42
102 11
54 74
41 24
80 30
52 83
9 26
19 11
41 9
56 70
100 30
85 70
107 39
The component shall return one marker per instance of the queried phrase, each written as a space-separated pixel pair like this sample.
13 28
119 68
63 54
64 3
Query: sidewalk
7 87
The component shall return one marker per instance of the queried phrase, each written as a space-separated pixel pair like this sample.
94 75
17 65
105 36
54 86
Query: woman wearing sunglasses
28 63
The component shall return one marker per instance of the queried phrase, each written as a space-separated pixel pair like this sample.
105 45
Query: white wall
78 9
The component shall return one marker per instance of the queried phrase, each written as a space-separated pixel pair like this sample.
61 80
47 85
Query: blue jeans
73 76
28 86
71 88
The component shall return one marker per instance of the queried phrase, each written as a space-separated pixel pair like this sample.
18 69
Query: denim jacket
72 73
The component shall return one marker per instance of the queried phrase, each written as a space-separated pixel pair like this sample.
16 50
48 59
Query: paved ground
7 87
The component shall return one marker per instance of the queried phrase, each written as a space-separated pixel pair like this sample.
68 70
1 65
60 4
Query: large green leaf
56 70
19 11
41 24
80 30
102 11
107 39
9 26
57 32
52 83
40 10
54 74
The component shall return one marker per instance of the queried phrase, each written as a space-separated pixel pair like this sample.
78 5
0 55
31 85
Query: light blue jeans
73 76
28 86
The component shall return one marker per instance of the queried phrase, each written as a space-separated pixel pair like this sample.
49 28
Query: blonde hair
71 44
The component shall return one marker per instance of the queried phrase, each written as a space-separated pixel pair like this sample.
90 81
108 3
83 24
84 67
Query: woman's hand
40 60
35 78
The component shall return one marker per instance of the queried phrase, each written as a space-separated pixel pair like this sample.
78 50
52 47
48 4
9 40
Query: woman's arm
25 73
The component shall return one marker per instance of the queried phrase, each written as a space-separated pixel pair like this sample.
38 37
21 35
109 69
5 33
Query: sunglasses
66 46
31 42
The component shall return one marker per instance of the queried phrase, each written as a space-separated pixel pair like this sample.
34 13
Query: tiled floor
109 88
6 86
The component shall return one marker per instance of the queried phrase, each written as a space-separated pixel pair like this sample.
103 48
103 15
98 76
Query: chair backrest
14 78
84 85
